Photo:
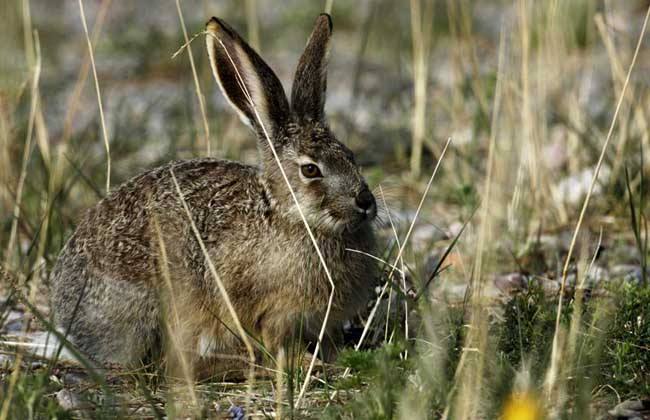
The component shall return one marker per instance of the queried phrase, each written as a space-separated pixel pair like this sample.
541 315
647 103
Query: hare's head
321 170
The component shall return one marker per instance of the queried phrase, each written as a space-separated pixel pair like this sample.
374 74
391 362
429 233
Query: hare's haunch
134 262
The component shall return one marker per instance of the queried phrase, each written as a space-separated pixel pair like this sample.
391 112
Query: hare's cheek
315 192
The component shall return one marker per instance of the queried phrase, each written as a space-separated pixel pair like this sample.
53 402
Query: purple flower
236 412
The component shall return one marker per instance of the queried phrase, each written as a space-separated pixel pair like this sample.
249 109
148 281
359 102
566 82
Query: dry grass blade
374 257
551 377
618 77
373 312
73 102
217 279
468 379
35 62
175 317
420 34
439 268
328 6
252 23
403 246
99 97
197 85
402 272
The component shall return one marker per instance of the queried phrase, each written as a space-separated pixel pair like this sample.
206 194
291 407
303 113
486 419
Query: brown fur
133 272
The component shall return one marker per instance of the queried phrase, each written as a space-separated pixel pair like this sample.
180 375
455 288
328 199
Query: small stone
630 409
573 188
37 365
75 378
596 276
629 272
551 287
13 322
6 360
68 400
507 283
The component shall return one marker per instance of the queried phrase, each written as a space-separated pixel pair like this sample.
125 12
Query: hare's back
122 233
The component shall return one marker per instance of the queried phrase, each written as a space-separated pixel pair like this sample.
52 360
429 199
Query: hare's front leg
279 332
294 336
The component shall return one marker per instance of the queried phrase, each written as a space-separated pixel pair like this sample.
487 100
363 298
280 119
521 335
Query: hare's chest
261 259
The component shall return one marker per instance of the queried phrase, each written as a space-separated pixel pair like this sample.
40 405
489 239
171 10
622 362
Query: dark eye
310 171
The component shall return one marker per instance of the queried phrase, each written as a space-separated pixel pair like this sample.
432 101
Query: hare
134 255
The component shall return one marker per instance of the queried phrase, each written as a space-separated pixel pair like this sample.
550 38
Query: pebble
74 378
631 410
629 272
13 322
68 400
507 283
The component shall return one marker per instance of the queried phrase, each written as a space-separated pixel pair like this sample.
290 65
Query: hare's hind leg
109 320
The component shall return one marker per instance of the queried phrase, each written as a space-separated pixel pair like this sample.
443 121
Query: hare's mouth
361 218
349 221
368 215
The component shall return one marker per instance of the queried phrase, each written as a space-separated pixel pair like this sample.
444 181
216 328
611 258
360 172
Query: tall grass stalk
177 337
197 85
552 373
72 105
400 252
328 6
639 222
421 24
222 289
252 24
373 312
618 79
531 148
401 271
34 62
40 130
470 371
33 51
99 97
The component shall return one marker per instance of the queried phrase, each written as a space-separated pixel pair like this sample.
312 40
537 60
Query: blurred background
526 91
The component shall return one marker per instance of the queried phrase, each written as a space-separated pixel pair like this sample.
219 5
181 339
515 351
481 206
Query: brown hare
134 254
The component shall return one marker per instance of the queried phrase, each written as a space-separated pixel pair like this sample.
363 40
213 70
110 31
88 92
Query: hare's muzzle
366 203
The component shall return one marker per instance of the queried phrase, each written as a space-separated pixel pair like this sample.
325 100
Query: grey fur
109 288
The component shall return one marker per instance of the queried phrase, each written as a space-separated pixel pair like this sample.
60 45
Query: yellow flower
521 407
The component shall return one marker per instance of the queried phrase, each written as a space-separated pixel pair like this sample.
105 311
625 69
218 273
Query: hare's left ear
247 81
310 82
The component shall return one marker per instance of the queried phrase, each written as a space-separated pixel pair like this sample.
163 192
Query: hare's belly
207 345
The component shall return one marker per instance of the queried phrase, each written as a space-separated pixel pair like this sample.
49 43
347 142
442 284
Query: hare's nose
365 200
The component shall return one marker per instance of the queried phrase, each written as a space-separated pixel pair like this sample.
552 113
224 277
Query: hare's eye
310 171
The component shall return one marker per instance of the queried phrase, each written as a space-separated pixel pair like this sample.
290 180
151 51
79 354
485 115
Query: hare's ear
247 81
310 82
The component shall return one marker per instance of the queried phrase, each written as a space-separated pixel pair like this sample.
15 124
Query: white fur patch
207 345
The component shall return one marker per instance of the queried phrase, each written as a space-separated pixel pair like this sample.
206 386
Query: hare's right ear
247 81
310 81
